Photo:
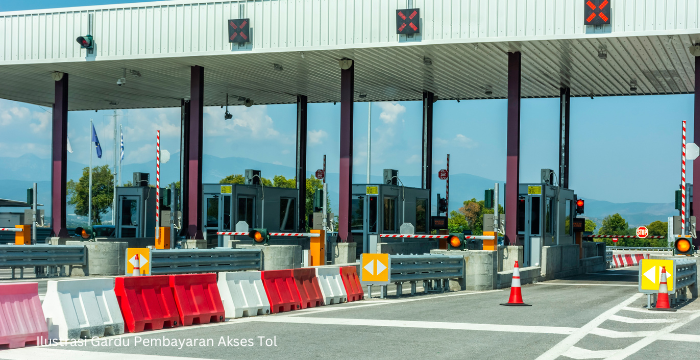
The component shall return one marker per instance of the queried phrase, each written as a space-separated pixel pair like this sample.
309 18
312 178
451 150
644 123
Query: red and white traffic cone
137 267
662 301
516 296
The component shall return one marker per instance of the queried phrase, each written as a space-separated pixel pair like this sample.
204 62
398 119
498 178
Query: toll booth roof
15 203
457 54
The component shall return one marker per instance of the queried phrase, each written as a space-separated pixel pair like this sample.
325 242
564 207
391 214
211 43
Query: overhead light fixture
57 75
633 85
362 96
602 53
227 115
345 64
427 61
694 49
249 102
278 67
135 73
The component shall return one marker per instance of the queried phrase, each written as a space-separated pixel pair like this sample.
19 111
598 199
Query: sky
623 149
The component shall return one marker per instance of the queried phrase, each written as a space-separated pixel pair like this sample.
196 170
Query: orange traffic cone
516 296
137 267
662 302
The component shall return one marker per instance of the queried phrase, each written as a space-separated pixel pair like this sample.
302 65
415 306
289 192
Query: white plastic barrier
332 287
243 294
82 308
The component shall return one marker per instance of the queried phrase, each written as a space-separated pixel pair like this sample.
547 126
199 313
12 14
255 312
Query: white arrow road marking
380 267
651 274
579 353
370 267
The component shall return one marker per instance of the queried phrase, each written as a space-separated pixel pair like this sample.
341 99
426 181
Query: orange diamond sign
375 269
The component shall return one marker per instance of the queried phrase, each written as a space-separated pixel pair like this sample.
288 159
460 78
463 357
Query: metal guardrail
632 248
54 257
608 257
433 270
686 273
181 261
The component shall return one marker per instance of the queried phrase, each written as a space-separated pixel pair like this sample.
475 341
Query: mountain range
18 173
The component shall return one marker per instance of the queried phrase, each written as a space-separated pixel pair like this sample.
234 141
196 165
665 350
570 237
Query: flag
97 142
70 149
122 145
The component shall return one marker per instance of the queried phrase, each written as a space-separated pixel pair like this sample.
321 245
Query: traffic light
442 204
679 199
488 198
683 247
579 206
456 242
30 197
260 236
85 41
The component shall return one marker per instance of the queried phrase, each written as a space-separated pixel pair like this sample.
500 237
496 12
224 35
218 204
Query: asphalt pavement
586 317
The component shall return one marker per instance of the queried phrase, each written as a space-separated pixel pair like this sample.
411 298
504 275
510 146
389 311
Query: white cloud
285 152
277 163
19 149
315 137
44 118
459 140
248 122
144 153
415 159
390 111
15 112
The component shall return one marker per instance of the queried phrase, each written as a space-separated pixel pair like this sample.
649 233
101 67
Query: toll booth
538 221
224 205
135 212
383 208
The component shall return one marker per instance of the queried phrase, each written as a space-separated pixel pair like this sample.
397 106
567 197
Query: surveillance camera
228 115
120 82
248 102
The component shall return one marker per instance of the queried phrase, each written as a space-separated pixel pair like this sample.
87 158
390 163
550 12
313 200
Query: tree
590 226
614 225
658 228
474 211
102 192
457 222
239 179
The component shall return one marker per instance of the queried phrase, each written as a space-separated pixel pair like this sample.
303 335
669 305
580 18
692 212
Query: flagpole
90 181
114 175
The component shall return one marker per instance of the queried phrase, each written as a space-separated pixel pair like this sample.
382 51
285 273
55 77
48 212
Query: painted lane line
421 325
580 353
630 320
587 284
44 352
604 274
614 334
646 341
680 337
579 334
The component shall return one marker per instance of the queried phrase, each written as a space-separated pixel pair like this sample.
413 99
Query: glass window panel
357 213
421 221
287 214
390 214
227 213
535 215
213 212
373 216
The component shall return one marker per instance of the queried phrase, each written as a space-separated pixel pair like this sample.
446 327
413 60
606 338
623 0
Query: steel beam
184 165
696 138
564 120
194 188
427 173
513 148
347 91
302 103
59 138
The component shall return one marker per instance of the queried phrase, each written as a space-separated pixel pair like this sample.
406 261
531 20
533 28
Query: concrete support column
564 120
513 148
347 91
427 171
696 139
302 102
184 164
59 138
194 188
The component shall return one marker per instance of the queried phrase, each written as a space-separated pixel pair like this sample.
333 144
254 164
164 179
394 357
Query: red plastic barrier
352 283
197 298
21 317
281 290
146 302
309 289
628 260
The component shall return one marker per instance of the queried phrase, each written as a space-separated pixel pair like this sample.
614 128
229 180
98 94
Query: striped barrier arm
11 229
624 236
409 236
311 235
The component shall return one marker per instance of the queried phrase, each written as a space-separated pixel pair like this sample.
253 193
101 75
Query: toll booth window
129 213
287 214
357 213
535 215
227 213
213 212
521 214
373 217
548 215
390 214
567 224
246 210
421 220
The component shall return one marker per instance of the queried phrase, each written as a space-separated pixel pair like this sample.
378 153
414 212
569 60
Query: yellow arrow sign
375 268
650 274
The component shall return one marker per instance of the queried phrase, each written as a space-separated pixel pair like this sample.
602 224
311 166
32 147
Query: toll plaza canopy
174 53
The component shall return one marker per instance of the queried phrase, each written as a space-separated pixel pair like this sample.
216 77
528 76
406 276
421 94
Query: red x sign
408 21
596 12
239 31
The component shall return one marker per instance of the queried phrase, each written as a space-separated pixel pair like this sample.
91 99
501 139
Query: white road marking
614 334
580 353
656 335
44 352
579 334
607 274
585 284
644 310
421 325
680 337
629 320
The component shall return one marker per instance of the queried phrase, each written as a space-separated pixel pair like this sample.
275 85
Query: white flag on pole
70 149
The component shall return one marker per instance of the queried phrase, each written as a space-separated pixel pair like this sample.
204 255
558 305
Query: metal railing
181 261
433 270
54 257
632 248
608 257
686 273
